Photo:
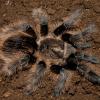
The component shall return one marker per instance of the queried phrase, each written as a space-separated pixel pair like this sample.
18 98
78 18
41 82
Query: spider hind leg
60 83
89 74
36 79
23 63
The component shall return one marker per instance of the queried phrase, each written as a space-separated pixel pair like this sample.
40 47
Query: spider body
21 47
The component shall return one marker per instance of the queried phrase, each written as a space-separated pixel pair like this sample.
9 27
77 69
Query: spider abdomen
17 42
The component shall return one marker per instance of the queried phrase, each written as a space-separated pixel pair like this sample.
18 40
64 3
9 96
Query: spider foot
36 79
89 74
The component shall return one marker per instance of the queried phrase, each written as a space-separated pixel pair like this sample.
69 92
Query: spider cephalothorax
58 51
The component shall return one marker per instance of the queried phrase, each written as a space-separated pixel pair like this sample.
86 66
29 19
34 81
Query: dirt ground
11 10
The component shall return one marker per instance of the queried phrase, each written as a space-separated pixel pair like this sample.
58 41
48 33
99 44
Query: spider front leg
89 74
86 31
82 46
36 79
68 24
19 43
73 39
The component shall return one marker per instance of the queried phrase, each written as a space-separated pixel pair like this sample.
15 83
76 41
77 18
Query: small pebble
7 94
50 11
87 4
71 92
96 8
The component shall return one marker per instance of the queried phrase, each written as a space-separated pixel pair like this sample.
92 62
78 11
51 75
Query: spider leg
22 63
18 43
71 62
83 46
57 53
89 29
56 68
60 83
91 59
35 81
60 30
72 39
67 24
28 29
89 74
43 26
66 38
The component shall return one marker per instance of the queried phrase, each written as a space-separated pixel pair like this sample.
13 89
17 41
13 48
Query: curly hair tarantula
21 47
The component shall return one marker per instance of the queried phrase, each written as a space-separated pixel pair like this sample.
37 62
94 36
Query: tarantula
21 48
